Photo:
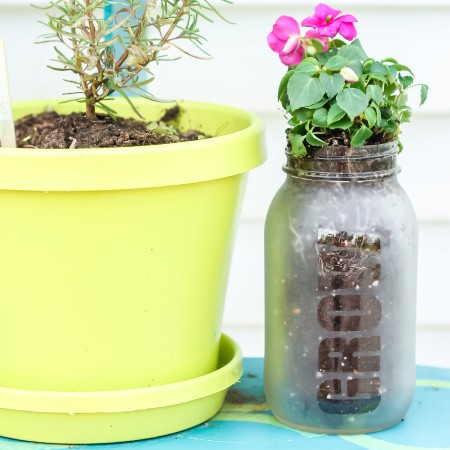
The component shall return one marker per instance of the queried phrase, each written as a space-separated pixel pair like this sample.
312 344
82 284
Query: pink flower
285 40
328 22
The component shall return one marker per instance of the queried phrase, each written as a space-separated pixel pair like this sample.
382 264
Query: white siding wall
245 73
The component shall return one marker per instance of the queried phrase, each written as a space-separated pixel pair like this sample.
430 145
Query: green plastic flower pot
114 416
115 261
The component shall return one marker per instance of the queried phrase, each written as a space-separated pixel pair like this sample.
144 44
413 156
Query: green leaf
336 63
302 114
78 100
334 114
344 124
402 99
128 100
141 93
405 114
338 43
319 104
60 69
320 117
360 84
374 92
378 112
371 116
333 83
352 101
389 89
297 146
367 64
323 57
386 112
391 111
357 67
317 45
377 76
299 129
378 69
392 72
361 136
111 112
401 67
423 93
406 81
390 60
62 56
391 126
307 67
282 89
313 140
304 90
353 51
311 60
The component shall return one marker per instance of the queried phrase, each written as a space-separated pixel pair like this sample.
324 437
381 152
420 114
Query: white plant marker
7 131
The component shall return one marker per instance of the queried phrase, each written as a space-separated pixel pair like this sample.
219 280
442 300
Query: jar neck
341 163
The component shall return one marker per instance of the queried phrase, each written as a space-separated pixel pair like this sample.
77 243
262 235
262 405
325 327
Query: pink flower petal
331 29
347 30
285 26
322 11
348 18
291 44
292 58
275 44
313 34
312 21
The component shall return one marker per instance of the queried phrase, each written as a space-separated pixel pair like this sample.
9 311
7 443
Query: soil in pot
51 130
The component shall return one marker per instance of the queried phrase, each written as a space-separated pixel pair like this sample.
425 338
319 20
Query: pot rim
230 153
229 371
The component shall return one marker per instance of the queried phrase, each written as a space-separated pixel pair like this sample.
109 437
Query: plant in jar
340 235
332 92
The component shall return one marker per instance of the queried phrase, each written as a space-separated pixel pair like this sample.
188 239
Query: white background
245 73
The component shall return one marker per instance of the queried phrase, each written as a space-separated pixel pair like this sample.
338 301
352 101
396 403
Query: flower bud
311 50
349 74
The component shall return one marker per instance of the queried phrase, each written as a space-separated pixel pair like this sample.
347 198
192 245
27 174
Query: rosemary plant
107 55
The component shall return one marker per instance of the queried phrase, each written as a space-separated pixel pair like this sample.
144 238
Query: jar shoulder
382 202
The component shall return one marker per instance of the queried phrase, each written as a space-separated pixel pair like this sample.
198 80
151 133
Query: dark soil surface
339 137
50 130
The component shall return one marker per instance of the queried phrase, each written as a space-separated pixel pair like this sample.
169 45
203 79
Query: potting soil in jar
341 257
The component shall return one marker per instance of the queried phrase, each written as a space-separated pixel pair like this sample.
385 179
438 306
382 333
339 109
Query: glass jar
341 267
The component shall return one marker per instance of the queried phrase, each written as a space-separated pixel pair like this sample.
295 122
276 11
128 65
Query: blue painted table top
246 423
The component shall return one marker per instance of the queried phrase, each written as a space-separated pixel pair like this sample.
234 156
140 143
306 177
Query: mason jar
340 284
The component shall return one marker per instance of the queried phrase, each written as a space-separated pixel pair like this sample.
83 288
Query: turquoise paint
426 426
110 9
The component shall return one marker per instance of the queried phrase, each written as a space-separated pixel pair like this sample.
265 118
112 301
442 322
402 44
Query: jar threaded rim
338 162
